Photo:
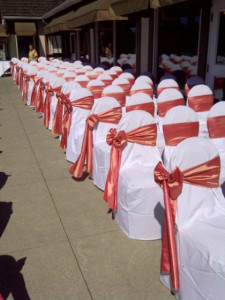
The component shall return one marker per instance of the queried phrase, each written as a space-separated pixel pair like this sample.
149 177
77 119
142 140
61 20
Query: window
220 59
55 44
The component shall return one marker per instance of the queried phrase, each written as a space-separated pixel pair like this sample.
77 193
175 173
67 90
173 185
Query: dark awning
125 7
160 3
94 12
58 24
25 29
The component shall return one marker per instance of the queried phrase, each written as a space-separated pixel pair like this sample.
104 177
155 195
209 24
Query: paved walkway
73 249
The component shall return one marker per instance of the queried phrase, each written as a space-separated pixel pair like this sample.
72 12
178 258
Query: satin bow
204 175
57 121
144 135
110 116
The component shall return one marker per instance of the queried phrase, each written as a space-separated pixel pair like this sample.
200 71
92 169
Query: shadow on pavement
11 278
3 179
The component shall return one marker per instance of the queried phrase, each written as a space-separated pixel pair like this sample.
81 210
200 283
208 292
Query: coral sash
201 103
112 116
204 175
148 107
145 91
120 97
164 107
96 91
84 103
144 135
34 92
216 127
40 97
160 89
49 93
177 132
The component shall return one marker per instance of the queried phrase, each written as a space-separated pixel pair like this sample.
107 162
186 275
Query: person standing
33 55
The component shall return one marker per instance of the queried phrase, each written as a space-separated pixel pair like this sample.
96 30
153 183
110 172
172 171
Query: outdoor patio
73 249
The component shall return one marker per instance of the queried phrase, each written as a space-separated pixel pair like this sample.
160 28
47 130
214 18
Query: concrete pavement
73 249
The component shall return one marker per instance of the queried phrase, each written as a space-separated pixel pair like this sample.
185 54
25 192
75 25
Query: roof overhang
25 29
126 7
161 3
66 4
96 11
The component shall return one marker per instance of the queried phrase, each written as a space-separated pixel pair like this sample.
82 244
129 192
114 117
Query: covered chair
167 99
92 75
61 106
116 92
96 87
76 112
146 79
106 78
130 191
128 76
55 87
142 87
29 80
193 81
193 245
117 69
112 73
82 80
216 130
105 114
123 83
167 84
200 99
180 123
140 101
69 76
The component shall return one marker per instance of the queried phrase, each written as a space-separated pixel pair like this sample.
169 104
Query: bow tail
33 96
25 90
21 82
57 121
47 109
66 121
111 186
77 169
169 263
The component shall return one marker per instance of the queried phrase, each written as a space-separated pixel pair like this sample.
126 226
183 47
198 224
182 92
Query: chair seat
101 161
75 141
140 210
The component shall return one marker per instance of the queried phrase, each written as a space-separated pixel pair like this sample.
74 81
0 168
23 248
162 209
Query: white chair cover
101 150
199 90
79 116
140 200
219 110
31 70
144 78
169 94
54 83
178 114
200 228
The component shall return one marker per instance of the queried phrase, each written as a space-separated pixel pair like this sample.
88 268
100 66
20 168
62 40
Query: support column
203 40
92 46
144 44
40 39
78 44
114 43
13 46
155 43
97 43
138 45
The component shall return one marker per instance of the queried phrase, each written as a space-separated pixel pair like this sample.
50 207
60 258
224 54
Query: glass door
215 77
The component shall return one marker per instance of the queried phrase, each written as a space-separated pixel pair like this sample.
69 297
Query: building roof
24 8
